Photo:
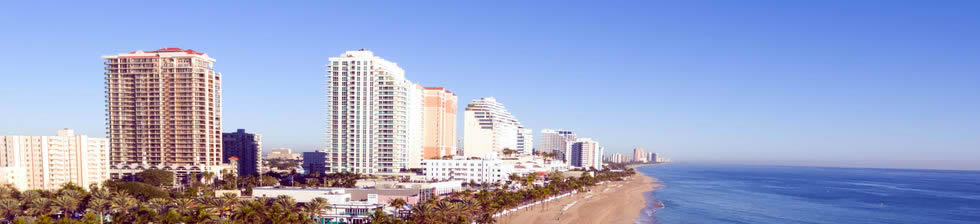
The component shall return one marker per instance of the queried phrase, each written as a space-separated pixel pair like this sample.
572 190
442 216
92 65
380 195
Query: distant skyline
838 83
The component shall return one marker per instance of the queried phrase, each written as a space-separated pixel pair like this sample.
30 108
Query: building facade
48 162
246 147
373 115
557 142
282 153
618 158
586 153
315 162
487 170
639 155
525 141
163 111
489 128
440 123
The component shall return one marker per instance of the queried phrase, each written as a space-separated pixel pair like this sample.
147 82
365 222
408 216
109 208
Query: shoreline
612 202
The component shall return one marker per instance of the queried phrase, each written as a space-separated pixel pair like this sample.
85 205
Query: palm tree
67 204
159 204
226 204
39 207
287 202
423 213
99 206
378 216
514 178
249 212
9 208
28 196
184 205
200 215
486 218
315 207
398 204
7 191
124 205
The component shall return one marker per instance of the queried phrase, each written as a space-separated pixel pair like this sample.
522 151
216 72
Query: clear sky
871 83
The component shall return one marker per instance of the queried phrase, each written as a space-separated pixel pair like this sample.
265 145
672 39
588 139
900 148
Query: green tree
156 177
99 206
9 208
315 207
67 204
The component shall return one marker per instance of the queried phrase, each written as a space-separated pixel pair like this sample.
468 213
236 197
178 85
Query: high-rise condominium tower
639 156
245 148
163 111
586 153
48 162
557 142
489 128
525 141
440 123
374 115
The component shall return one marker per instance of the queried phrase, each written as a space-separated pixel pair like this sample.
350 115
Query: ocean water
698 193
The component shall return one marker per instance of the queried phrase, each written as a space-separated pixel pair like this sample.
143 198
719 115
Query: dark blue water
694 193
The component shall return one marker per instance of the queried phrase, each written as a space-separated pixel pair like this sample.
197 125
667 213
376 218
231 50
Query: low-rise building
282 153
347 205
487 170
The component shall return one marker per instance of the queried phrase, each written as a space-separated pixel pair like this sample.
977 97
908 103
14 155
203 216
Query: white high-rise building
48 162
557 142
374 115
490 128
586 153
525 141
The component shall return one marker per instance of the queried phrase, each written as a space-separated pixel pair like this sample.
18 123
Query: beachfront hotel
48 162
557 142
586 153
490 128
440 123
163 111
374 116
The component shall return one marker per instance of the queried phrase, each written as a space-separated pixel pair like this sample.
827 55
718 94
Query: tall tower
373 115
440 123
557 142
246 148
489 128
586 153
639 155
163 111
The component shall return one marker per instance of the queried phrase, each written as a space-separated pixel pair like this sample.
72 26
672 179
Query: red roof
173 49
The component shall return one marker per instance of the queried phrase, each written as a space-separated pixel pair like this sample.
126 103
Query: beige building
163 111
639 155
558 142
282 153
586 153
48 162
439 123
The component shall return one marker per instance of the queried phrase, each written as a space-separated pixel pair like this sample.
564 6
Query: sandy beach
613 202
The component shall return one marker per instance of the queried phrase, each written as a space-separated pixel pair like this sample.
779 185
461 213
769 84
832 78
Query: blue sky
881 83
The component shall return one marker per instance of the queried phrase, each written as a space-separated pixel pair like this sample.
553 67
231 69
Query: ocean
702 193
